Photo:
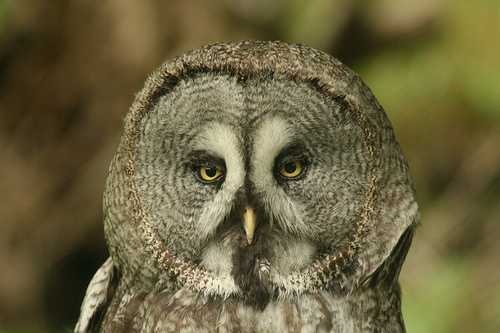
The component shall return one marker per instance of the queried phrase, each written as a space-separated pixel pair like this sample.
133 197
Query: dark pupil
290 167
211 171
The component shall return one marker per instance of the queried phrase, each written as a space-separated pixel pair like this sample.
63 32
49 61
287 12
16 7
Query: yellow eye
210 174
292 169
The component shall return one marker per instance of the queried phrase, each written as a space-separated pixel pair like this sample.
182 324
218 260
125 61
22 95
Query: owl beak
249 223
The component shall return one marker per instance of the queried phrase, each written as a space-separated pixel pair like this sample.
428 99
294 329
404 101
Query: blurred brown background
69 71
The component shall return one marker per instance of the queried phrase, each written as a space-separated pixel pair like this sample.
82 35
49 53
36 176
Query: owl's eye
292 169
210 173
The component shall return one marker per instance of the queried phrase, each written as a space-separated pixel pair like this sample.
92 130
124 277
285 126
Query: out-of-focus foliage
69 70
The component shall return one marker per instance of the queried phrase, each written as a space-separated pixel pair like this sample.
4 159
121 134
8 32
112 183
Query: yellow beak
249 223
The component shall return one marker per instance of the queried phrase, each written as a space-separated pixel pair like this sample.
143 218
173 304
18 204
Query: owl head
256 170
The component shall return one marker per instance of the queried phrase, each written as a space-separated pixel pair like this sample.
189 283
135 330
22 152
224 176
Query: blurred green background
69 71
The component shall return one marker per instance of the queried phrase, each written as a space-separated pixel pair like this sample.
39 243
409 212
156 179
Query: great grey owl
257 187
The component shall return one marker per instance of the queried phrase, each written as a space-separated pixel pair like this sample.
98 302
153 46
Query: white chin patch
296 256
290 258
217 260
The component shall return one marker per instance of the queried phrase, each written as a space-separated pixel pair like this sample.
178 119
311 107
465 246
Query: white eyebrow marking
221 140
274 135
270 139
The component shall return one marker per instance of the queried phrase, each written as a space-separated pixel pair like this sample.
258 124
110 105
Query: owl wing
388 272
96 297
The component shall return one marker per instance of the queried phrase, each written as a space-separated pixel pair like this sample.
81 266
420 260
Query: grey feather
329 243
